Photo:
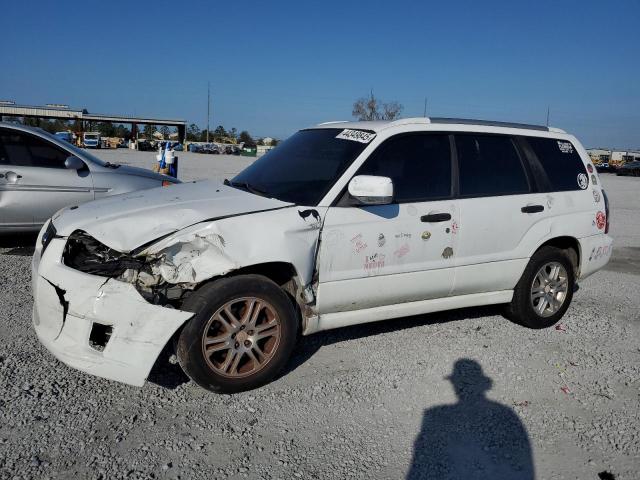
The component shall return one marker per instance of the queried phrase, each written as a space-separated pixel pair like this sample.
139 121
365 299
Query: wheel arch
284 274
568 244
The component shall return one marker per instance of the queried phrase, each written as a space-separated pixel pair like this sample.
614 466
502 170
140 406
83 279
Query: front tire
242 335
545 290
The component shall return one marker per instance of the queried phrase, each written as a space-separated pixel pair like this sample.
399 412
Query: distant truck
91 140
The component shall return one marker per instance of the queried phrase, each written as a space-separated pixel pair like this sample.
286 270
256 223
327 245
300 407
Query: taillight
166 183
606 210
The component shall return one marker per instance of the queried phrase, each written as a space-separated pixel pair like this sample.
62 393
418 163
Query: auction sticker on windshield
356 135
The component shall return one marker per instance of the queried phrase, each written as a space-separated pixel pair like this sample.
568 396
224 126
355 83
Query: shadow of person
475 438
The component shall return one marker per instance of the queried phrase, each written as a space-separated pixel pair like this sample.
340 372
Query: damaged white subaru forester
341 224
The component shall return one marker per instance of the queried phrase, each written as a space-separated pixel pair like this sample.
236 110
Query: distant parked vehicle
631 169
603 167
145 146
231 150
40 174
210 148
91 140
65 136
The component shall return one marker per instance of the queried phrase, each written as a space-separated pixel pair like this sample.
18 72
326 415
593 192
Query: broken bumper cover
68 304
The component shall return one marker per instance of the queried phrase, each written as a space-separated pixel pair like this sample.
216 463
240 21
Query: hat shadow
475 438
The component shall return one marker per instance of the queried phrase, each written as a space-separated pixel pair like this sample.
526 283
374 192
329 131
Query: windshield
303 168
90 137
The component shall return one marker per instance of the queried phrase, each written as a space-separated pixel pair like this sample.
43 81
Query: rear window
561 162
489 165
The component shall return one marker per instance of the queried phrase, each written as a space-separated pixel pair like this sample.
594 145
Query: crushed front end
101 311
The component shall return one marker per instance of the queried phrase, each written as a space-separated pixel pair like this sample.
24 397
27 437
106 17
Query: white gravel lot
370 401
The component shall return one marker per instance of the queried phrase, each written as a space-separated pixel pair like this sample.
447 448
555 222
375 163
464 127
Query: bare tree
371 109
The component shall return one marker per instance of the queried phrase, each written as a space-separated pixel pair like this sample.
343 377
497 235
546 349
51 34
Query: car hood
137 171
128 221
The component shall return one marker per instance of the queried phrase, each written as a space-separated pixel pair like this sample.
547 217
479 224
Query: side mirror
371 190
73 163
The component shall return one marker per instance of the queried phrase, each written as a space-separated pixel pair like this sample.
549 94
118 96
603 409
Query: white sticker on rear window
583 181
356 135
565 147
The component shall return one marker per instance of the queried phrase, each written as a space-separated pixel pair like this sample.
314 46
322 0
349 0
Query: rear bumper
68 305
595 253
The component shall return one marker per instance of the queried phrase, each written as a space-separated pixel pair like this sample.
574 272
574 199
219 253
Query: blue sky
276 67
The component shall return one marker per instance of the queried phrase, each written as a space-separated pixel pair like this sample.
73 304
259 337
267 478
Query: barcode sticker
356 135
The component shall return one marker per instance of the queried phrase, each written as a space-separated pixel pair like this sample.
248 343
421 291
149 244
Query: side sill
329 321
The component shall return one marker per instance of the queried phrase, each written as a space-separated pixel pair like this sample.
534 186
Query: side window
418 164
560 161
489 165
24 150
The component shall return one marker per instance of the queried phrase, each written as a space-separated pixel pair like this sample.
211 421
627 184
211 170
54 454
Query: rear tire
242 335
545 290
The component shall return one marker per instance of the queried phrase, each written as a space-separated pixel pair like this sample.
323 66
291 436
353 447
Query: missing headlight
85 253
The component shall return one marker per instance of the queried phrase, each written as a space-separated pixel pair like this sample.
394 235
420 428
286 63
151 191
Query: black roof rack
488 123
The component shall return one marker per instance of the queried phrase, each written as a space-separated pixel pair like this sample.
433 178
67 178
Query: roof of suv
379 125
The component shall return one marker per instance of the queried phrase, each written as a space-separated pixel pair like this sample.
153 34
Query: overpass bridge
63 112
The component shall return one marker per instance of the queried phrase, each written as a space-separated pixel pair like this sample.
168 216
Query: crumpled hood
125 222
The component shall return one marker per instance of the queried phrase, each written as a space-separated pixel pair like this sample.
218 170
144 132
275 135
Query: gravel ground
370 401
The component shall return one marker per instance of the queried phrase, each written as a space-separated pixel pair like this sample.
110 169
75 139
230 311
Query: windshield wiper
248 187
112 165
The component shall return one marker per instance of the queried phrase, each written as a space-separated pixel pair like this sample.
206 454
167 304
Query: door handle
532 209
436 217
12 177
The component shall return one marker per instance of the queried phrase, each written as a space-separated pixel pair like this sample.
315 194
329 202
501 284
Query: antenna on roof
547 115
425 107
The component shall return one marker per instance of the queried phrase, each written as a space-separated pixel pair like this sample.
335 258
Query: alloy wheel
241 337
549 289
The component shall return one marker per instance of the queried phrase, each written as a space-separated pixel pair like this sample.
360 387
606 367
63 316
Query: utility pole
208 107
425 107
547 115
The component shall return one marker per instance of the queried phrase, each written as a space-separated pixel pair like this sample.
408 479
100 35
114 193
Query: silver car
40 174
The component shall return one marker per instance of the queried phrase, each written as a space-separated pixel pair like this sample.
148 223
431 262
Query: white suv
343 223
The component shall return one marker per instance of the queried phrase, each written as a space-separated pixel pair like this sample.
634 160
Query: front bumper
68 304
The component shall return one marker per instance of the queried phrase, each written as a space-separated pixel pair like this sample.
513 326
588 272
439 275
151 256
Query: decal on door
590 168
594 180
358 243
447 252
583 181
356 135
373 263
601 220
596 196
402 251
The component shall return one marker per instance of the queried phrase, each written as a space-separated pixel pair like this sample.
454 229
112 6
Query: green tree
193 132
106 129
246 138
164 130
149 131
